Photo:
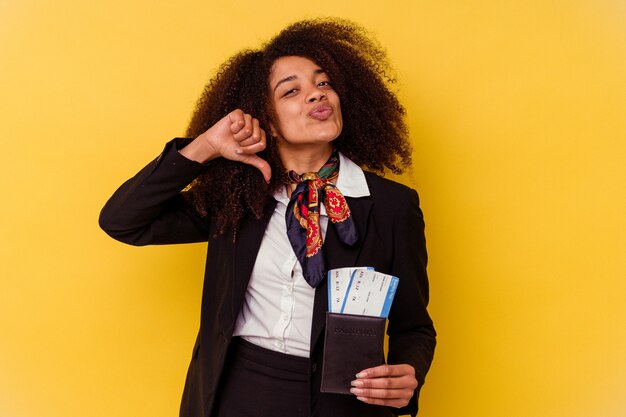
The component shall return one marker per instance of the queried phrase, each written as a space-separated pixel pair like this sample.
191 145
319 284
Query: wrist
199 150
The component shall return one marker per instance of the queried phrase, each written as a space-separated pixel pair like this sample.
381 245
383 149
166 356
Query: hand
391 385
237 136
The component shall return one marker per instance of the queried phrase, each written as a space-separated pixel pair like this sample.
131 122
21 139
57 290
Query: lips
321 112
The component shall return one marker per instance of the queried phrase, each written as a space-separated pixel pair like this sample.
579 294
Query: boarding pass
361 291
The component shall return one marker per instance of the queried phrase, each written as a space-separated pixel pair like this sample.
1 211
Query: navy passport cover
352 343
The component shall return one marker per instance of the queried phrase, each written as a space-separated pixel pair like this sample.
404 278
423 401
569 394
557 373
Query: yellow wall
518 116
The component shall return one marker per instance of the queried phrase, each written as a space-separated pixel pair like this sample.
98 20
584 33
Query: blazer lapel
339 255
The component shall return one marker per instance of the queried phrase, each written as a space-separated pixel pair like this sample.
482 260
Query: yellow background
518 117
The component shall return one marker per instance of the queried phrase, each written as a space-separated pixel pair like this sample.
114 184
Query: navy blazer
148 209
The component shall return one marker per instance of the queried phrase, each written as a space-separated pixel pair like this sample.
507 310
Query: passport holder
352 343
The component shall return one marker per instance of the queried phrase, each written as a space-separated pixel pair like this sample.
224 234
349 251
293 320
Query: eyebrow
295 77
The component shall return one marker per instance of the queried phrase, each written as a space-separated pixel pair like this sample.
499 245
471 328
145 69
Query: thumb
260 164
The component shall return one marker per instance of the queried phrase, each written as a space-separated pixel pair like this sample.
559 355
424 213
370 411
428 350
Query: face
305 106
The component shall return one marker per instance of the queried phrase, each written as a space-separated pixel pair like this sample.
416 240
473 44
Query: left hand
391 385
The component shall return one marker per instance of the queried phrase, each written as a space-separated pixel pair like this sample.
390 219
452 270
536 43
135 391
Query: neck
307 159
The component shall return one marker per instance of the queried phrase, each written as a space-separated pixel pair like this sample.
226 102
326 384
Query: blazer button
314 367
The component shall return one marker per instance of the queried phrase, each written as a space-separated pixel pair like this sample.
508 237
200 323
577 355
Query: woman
315 98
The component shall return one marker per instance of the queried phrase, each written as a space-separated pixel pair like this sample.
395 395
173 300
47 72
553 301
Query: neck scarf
303 219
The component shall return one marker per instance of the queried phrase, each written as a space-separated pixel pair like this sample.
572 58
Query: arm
148 208
411 332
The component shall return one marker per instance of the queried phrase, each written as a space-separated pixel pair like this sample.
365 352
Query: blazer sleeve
149 208
411 332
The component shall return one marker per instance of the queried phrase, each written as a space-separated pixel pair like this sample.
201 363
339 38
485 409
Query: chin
318 139
329 136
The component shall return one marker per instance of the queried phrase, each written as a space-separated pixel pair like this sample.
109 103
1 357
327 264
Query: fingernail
356 391
356 383
361 399
238 151
361 375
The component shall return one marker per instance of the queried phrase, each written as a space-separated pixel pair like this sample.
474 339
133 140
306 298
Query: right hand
237 136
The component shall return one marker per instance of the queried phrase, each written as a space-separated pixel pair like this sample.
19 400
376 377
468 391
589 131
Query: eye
290 92
324 84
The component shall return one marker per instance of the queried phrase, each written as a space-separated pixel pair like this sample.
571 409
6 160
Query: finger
246 130
406 381
382 393
260 164
386 371
237 120
255 137
396 402
253 148
263 140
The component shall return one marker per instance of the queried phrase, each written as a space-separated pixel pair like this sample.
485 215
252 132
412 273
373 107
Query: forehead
288 66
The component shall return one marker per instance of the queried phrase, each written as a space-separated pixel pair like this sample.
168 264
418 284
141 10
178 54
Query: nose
316 94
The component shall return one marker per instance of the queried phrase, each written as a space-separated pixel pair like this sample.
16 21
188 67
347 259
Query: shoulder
392 202
385 189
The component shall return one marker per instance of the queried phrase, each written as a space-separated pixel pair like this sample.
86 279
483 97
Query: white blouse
278 306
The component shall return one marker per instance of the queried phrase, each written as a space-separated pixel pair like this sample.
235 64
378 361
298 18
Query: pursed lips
321 112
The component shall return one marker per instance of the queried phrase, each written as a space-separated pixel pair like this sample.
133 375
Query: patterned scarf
303 218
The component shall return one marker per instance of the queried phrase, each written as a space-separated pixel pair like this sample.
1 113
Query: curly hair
374 135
